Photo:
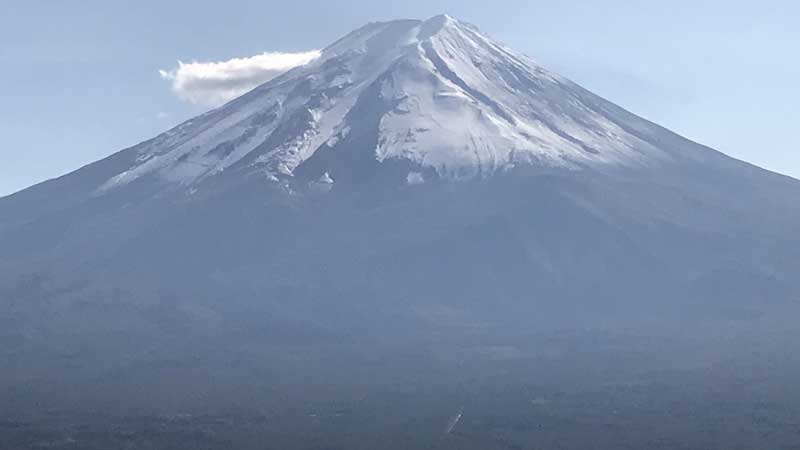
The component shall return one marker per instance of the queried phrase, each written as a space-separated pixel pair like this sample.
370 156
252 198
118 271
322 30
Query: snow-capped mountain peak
438 95
318 213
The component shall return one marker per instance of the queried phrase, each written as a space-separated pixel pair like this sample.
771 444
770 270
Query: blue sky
80 80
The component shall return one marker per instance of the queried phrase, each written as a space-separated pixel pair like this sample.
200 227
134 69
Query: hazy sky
81 80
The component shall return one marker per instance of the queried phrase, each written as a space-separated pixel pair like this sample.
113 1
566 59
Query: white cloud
214 83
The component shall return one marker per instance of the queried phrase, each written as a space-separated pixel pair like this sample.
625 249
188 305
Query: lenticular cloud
214 83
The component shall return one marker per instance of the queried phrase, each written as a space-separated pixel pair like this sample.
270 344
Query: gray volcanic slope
416 179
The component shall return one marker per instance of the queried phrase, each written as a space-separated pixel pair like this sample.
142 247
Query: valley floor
577 390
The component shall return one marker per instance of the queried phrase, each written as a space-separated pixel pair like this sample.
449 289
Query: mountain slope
416 175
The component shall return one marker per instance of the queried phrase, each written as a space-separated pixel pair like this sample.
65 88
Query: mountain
417 179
